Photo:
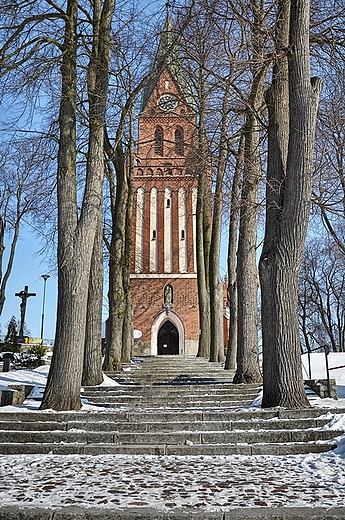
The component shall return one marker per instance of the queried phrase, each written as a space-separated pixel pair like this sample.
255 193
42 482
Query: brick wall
169 168
147 299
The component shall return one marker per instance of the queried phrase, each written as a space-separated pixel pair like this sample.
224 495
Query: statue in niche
168 294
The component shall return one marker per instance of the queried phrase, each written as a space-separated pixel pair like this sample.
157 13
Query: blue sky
27 270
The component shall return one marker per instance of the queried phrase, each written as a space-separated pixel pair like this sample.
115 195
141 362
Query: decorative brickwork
148 303
165 187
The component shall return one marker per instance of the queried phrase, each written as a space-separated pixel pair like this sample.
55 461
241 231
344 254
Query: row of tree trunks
289 191
216 284
75 235
230 362
248 368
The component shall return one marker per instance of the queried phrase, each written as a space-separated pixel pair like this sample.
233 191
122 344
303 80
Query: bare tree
322 297
211 56
329 188
43 35
116 294
203 220
289 192
127 336
26 190
248 369
76 234
216 285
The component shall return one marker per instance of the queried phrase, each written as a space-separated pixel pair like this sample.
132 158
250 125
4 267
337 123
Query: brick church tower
163 271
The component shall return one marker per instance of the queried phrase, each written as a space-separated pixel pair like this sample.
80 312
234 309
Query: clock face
167 102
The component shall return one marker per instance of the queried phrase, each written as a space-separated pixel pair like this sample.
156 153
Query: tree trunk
287 221
230 362
127 335
74 237
203 292
127 342
216 311
64 379
203 234
248 369
216 286
92 369
116 295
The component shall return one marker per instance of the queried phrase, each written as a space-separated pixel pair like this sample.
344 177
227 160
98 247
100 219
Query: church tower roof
168 56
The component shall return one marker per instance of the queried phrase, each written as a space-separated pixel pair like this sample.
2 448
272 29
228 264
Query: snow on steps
189 408
176 397
172 370
164 431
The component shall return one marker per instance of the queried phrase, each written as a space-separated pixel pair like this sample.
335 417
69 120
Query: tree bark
64 379
230 362
216 286
287 220
248 368
203 232
203 292
116 293
92 368
127 335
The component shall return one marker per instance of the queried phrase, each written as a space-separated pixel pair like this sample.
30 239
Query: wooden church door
168 339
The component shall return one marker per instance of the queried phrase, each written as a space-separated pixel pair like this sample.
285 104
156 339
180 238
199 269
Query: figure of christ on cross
24 295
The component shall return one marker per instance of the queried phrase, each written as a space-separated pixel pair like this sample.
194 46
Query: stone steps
172 370
173 396
206 432
203 435
169 419
171 390
173 426
184 402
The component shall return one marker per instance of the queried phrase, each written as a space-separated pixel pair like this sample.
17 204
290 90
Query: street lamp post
45 278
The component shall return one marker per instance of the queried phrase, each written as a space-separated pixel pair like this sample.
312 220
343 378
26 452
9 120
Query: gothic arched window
159 140
179 145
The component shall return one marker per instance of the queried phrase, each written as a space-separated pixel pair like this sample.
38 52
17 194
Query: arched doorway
168 339
158 322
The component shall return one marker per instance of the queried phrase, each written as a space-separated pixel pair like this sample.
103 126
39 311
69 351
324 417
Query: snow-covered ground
316 368
169 482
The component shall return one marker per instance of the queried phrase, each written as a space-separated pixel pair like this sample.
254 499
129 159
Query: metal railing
327 351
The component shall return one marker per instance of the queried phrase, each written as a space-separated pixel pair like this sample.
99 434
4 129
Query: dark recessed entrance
168 339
